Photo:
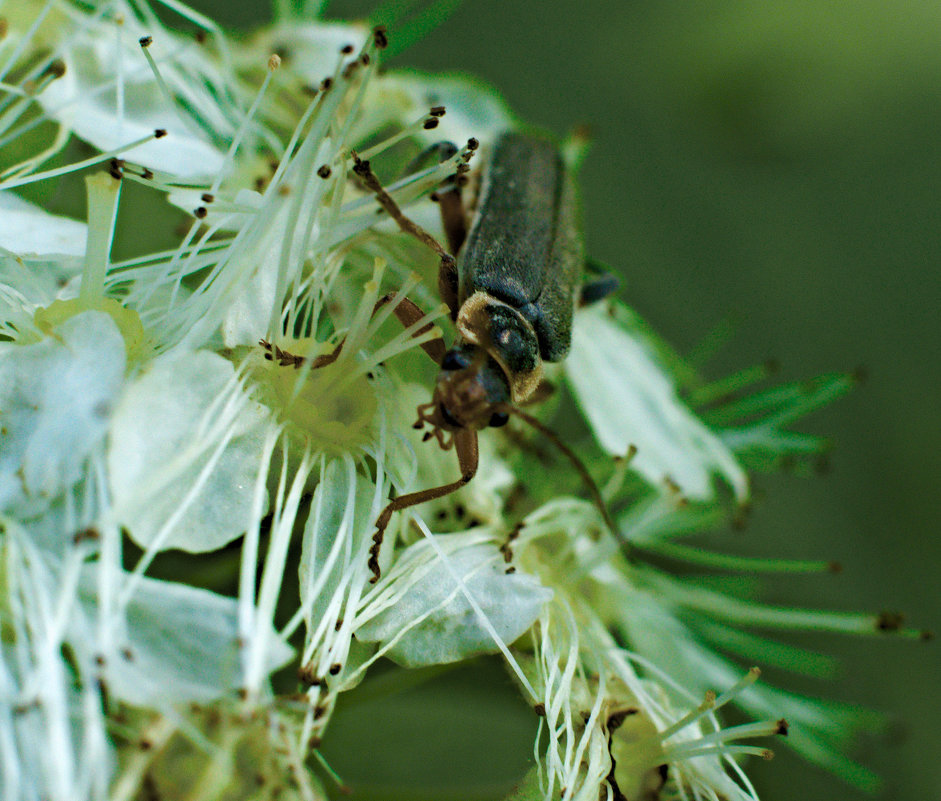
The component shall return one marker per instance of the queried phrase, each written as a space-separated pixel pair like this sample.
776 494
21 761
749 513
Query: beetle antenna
577 463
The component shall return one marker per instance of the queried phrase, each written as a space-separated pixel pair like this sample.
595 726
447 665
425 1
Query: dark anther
346 49
360 167
145 41
498 419
324 171
437 111
206 197
160 133
379 37
325 84
889 621
56 68
429 124
472 144
200 213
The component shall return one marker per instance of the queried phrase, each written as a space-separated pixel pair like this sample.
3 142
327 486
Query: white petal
55 402
630 399
473 108
38 280
176 482
311 49
446 627
341 515
86 99
27 229
181 644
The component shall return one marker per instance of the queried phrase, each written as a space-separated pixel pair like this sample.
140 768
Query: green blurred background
777 165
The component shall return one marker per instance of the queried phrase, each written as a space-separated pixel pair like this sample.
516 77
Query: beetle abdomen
524 246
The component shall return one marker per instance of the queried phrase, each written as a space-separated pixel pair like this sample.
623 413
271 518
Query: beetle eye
498 419
454 360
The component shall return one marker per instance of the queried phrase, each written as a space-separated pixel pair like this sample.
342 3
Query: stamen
242 129
81 165
676 755
164 89
409 130
708 705
342 787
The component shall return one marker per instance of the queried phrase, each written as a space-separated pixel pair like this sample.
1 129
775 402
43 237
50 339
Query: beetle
511 288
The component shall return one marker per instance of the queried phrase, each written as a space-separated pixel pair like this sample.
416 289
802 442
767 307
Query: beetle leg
453 217
408 313
454 220
448 286
453 214
364 171
465 441
447 274
601 284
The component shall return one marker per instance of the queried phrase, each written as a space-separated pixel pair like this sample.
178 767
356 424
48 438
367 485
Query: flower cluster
245 393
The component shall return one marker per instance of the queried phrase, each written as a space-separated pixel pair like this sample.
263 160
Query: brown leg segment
447 275
465 442
455 228
453 217
409 313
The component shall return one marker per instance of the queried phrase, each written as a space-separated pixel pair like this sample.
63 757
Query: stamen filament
81 165
679 753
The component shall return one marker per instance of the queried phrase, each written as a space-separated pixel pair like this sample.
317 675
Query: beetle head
471 392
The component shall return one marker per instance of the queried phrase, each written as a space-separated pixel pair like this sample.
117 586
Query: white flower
246 397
